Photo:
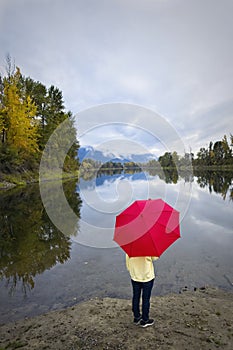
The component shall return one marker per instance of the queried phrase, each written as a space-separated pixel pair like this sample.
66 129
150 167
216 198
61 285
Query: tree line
219 153
29 113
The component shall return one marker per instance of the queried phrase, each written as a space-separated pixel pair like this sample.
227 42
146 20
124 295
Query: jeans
146 288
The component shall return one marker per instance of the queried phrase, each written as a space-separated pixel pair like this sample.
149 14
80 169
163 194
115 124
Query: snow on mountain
90 152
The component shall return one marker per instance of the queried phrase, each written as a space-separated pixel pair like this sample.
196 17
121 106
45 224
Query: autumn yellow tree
2 114
18 118
29 114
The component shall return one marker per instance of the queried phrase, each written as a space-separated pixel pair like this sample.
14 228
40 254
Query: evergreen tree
38 92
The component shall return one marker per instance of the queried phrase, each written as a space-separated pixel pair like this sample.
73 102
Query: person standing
141 270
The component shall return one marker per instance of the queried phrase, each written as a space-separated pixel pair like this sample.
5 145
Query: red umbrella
147 228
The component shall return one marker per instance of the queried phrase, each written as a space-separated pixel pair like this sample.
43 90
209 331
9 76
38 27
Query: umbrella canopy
147 228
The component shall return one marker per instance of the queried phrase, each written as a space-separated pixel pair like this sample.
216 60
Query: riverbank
200 319
10 181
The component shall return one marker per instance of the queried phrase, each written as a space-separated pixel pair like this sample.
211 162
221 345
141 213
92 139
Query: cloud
174 57
137 130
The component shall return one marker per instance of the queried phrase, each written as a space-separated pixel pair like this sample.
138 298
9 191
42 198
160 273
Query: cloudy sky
173 57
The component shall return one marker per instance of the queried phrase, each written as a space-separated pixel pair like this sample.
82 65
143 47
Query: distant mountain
120 160
83 151
90 152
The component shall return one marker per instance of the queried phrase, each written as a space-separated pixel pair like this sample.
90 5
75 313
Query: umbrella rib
153 243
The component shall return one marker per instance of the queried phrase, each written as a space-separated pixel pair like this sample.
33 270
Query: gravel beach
200 319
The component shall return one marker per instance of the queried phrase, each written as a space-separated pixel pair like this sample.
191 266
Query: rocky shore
200 319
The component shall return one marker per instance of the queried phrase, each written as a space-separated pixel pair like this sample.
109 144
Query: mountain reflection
29 242
220 182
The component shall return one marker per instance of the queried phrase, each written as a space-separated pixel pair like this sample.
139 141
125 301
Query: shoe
137 320
146 323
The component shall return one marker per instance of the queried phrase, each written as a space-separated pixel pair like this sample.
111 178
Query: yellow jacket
141 268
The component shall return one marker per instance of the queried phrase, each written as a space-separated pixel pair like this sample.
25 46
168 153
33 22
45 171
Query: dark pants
146 288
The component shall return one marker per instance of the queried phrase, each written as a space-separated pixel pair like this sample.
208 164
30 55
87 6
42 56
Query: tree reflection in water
220 182
29 242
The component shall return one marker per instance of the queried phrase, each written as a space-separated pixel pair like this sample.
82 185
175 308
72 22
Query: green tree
38 93
202 156
218 152
166 160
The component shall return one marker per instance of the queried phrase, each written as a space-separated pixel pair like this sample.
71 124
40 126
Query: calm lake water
43 269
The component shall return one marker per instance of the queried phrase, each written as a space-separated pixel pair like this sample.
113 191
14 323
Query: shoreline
8 181
16 182
200 319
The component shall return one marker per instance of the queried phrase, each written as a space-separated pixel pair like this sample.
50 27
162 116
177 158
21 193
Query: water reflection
36 256
220 182
29 241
